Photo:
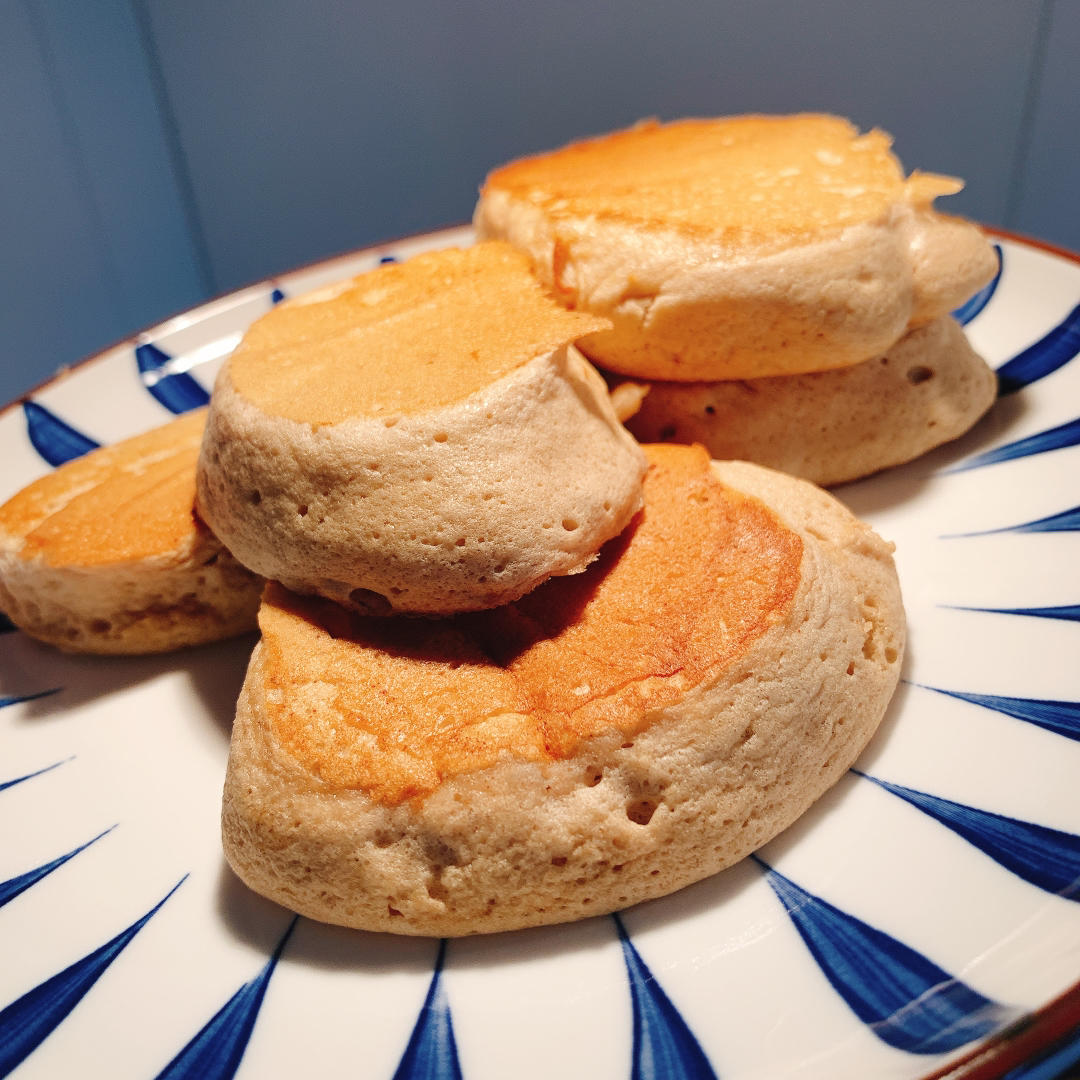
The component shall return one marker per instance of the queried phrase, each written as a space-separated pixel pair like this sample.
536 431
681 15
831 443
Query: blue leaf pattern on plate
215 1052
30 776
432 1051
1056 438
178 392
277 296
1043 358
664 1046
1065 521
905 999
28 1021
1047 858
1069 612
967 311
18 699
54 439
1060 717
14 886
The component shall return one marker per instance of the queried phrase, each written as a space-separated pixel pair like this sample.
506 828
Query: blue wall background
158 152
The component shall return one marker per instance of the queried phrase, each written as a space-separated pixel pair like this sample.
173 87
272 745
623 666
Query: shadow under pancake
709 894
28 667
505 633
216 673
510 947
258 922
501 634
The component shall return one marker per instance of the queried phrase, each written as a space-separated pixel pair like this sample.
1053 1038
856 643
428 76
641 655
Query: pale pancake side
832 426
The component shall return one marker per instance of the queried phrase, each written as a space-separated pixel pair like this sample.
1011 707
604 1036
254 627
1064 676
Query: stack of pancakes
610 737
779 290
514 667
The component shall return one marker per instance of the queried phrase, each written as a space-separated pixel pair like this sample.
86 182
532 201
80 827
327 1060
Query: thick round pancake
422 438
740 247
832 426
106 554
609 738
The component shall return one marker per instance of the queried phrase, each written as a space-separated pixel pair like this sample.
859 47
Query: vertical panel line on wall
74 149
176 150
1032 94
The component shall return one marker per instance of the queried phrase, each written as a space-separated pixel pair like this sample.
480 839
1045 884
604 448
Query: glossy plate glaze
921 919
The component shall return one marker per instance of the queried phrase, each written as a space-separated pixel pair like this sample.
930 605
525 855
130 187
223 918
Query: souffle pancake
828 426
106 554
738 247
423 438
610 737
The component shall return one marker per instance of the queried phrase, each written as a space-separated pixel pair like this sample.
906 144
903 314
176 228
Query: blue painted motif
966 312
27 1022
432 1051
277 296
1043 358
178 392
388 259
1057 438
1047 858
1069 612
664 1046
215 1052
1066 521
30 776
1060 717
903 997
17 699
54 439
14 886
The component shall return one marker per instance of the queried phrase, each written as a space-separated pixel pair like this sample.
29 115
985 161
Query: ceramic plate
923 910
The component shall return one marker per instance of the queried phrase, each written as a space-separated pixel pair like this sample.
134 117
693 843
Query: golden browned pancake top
746 181
394 706
134 500
403 338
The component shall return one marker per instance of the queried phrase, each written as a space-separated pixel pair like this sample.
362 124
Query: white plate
894 934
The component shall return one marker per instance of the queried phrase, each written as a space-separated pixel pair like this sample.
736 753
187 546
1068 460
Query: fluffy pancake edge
173 587
457 509
831 427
